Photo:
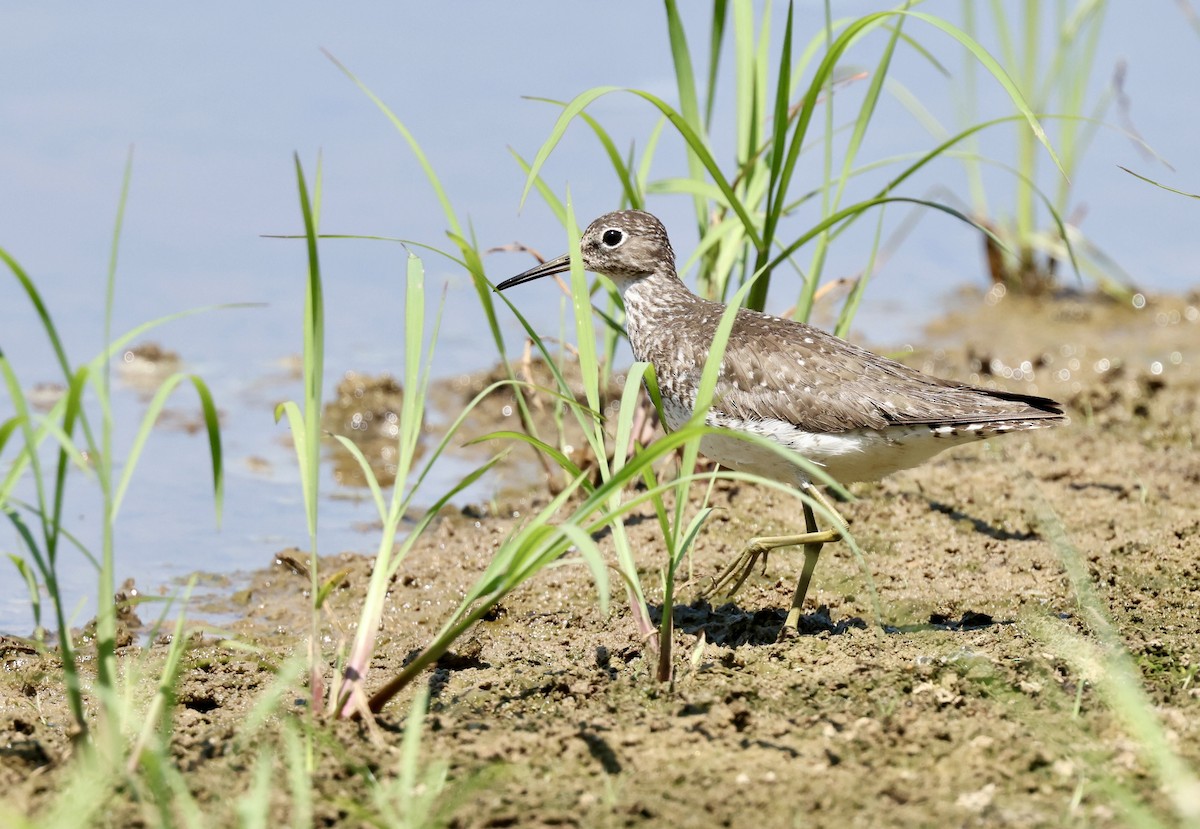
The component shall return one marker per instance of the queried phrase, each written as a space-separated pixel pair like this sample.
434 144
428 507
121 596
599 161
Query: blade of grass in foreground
306 423
1107 665
351 696
106 610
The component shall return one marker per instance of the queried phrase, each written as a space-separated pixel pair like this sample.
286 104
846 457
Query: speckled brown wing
805 376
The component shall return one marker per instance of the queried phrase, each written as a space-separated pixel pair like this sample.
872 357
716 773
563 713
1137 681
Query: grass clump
1049 49
747 211
114 732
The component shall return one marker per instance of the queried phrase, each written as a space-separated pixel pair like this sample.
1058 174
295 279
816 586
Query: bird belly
857 455
852 455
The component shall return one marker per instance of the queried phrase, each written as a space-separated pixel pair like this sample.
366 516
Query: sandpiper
857 415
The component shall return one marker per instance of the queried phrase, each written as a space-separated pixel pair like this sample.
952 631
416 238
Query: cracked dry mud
962 710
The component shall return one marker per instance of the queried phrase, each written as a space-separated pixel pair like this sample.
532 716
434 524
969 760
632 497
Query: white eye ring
613 237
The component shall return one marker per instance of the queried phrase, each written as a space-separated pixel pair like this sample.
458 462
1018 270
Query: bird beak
560 265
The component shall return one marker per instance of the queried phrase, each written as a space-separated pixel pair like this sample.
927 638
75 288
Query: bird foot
737 572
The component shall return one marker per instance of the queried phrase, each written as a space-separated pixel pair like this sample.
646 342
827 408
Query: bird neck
655 306
658 287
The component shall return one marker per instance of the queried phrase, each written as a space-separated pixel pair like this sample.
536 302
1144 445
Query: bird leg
812 540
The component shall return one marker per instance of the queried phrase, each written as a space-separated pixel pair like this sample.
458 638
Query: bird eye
612 237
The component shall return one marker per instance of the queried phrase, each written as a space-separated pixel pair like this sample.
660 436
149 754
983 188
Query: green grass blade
584 414
629 397
685 82
693 139
418 153
295 419
153 410
867 110
581 300
780 119
212 427
309 452
785 170
413 401
716 38
568 466
621 168
1160 184
368 474
436 507
748 79
253 807
850 154
860 207
548 195
997 71
643 173
28 576
850 306
65 534
693 530
699 149
452 429
8 427
575 106
39 307
410 749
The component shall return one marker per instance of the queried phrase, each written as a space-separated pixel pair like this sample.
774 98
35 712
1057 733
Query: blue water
215 105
